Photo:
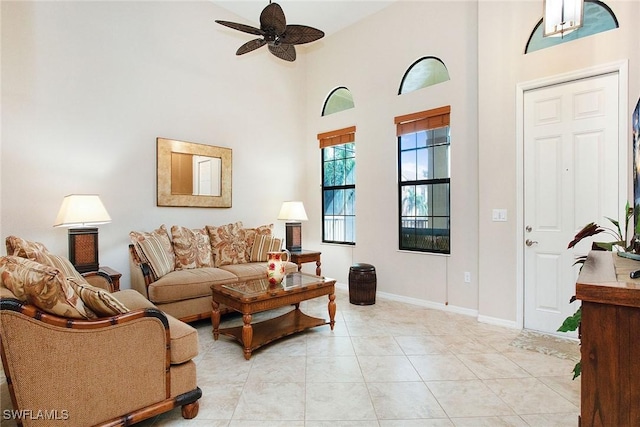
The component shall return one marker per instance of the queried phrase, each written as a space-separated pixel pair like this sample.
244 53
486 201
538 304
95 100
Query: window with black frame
338 186
424 187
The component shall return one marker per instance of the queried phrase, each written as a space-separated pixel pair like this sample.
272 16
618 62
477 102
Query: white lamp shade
562 16
292 211
81 210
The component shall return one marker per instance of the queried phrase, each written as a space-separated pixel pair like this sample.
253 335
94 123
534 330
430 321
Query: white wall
502 66
370 59
88 86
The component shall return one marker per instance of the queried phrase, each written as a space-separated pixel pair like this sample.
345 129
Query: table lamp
293 213
81 213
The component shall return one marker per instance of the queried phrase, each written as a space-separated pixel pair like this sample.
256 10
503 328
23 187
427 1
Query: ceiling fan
275 33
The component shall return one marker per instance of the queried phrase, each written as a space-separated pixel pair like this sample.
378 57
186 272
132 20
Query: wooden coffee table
255 296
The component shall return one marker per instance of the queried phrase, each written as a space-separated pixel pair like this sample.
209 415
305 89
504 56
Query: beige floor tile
338 401
438 367
271 401
376 346
277 368
415 345
329 345
530 396
468 398
565 386
504 421
387 369
492 365
406 400
341 369
434 422
538 364
552 420
218 402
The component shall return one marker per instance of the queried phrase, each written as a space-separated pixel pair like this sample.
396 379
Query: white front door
570 179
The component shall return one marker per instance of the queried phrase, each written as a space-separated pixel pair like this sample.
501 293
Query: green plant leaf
577 370
572 322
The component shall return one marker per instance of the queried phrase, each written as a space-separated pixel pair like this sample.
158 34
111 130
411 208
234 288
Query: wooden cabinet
610 341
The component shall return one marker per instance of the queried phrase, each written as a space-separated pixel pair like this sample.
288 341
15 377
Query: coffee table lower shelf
253 336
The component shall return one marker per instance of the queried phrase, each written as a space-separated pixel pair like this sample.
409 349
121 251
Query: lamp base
294 236
83 249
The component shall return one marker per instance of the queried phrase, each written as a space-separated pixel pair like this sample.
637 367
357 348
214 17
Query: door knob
528 228
529 242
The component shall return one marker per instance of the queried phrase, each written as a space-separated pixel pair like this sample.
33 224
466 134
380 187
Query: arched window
597 18
338 100
426 71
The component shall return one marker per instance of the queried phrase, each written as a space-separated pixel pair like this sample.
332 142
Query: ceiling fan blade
241 27
284 51
272 19
300 34
250 45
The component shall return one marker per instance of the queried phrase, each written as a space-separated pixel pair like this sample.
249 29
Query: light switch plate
499 215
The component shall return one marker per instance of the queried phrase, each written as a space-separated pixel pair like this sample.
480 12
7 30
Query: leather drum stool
362 284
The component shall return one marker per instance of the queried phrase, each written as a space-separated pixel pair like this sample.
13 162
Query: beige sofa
175 269
76 354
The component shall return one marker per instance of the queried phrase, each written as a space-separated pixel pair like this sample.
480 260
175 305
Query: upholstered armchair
66 360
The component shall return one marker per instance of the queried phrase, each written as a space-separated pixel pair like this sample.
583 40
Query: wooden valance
337 137
424 120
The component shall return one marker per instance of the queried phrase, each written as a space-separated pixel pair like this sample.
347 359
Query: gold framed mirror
193 175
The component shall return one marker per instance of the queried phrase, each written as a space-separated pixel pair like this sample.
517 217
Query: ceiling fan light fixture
562 17
275 33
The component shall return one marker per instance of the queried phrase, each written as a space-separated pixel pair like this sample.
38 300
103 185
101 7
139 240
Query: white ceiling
326 15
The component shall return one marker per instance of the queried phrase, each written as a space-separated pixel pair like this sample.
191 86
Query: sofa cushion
254 270
157 257
184 338
56 261
43 286
249 236
22 248
163 255
262 245
185 284
192 247
98 300
227 244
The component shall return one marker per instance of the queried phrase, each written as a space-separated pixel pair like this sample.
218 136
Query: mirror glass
194 175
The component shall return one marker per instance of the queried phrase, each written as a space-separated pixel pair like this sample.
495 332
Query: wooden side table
115 277
303 256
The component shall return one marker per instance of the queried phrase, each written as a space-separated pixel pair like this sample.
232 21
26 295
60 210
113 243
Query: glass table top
261 286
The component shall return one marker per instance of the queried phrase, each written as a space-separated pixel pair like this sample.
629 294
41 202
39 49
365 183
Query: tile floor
389 364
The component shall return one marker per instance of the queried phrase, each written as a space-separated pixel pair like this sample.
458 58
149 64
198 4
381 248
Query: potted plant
621 243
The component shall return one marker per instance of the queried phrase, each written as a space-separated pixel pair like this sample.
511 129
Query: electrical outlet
467 277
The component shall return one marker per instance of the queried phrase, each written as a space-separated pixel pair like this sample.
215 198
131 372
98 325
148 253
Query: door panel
570 179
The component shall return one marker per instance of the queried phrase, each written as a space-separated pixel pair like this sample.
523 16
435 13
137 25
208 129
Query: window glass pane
328 153
329 176
422 199
441 161
408 141
350 202
408 200
339 151
421 139
440 199
338 202
425 72
351 171
338 100
408 165
423 164
328 202
350 232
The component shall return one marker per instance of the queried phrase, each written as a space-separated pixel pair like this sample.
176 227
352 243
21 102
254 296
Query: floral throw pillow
192 247
43 286
249 236
227 245
23 248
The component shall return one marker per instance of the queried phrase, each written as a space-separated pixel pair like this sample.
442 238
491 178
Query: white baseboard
499 322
